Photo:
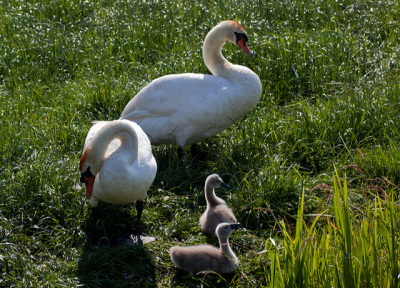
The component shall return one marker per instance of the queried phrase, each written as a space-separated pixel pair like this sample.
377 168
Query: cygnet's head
225 229
214 181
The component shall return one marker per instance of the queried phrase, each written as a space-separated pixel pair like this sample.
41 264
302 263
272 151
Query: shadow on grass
121 266
209 279
105 265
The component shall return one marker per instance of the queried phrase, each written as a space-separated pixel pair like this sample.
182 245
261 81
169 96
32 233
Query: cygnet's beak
234 225
224 185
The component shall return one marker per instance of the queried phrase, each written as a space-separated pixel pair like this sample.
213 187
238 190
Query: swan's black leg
180 154
138 230
195 156
95 213
95 217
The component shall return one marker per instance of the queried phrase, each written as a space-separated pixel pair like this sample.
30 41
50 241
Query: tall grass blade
342 219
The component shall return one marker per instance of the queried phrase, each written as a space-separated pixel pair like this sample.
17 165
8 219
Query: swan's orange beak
242 44
89 181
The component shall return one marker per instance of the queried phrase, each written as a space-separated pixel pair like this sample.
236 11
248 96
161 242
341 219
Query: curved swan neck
212 53
211 198
117 130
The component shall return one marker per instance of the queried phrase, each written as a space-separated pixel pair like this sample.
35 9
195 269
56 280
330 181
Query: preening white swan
206 257
117 165
182 109
217 210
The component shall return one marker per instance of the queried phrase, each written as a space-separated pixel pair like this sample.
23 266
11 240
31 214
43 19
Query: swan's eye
240 36
85 174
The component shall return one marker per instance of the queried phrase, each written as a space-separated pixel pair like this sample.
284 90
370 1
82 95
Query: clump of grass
350 248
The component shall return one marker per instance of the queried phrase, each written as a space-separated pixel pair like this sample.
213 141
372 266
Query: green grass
313 169
337 254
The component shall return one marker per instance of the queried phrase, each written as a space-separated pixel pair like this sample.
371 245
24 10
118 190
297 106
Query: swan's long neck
224 245
211 198
212 53
122 131
242 77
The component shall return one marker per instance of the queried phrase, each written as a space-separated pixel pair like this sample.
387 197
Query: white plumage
185 108
117 165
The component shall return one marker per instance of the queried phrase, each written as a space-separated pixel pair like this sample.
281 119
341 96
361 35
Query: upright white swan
183 109
117 165
217 210
206 257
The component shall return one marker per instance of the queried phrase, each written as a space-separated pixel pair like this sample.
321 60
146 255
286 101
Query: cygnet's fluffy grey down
206 257
217 210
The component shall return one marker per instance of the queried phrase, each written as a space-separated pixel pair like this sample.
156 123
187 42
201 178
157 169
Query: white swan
117 165
206 257
217 210
185 108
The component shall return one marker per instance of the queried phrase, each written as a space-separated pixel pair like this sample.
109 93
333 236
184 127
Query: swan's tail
101 121
135 115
